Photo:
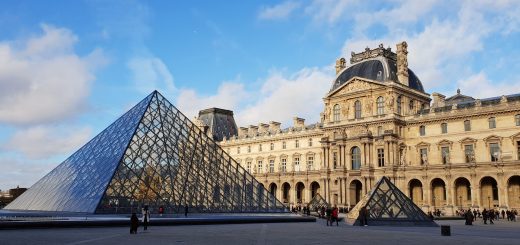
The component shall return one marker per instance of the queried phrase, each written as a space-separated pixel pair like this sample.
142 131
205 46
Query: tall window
284 145
260 147
467 125
469 154
411 106
357 109
310 141
248 149
272 146
381 157
380 105
238 150
284 165
398 102
335 159
379 130
297 164
444 128
445 152
492 123
335 112
494 151
271 166
260 167
356 157
297 143
423 155
517 119
310 163
422 130
248 167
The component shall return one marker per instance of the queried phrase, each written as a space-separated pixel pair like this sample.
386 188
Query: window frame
467 125
380 103
492 122
355 153
336 113
357 109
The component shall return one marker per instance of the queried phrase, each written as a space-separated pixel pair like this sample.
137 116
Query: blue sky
70 68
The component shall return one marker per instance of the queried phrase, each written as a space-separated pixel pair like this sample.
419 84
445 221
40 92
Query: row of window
283 165
271 146
380 104
469 153
467 125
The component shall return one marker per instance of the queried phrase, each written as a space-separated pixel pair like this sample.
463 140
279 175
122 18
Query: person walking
469 217
328 213
186 211
146 217
335 216
134 223
491 214
485 216
363 217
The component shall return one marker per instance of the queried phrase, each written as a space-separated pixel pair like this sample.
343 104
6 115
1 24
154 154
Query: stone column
347 187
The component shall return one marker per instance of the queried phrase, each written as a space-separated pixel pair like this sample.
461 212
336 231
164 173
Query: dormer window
336 111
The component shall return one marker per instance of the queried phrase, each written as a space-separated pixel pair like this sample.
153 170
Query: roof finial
458 91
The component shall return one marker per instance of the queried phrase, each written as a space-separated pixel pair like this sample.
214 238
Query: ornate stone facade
454 153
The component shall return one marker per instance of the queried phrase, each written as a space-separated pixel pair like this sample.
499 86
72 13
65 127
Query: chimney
438 100
402 63
274 126
263 128
298 122
341 63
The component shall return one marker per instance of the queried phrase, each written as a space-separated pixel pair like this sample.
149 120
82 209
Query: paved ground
503 232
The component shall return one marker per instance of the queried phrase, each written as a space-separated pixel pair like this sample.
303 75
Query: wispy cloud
150 73
279 11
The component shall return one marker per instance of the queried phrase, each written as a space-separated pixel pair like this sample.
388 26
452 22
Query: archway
415 189
513 192
315 188
462 193
488 192
286 189
300 187
355 192
273 188
438 188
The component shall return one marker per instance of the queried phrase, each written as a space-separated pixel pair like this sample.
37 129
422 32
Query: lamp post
434 204
460 201
489 202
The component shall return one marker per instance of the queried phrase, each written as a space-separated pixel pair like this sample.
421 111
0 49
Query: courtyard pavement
502 232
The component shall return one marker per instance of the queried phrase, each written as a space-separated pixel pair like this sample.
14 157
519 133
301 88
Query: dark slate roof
220 122
458 99
471 103
380 69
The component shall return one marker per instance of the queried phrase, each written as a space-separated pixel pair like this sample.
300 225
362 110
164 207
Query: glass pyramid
152 155
317 202
387 205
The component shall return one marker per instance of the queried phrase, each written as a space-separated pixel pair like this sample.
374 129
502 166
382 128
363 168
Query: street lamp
489 202
460 201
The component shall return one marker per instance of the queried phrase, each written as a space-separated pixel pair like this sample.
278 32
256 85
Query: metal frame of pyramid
151 156
387 205
317 202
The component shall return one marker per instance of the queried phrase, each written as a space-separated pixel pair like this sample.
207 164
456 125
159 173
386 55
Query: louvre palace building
445 153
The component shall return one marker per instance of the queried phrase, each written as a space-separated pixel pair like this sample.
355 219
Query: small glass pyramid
387 205
317 202
152 155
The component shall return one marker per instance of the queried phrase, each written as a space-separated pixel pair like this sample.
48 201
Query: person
485 216
146 217
161 211
469 217
334 216
474 215
186 211
363 216
134 223
503 214
491 214
328 212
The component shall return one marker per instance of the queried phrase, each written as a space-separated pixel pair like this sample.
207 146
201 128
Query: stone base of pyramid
17 222
396 222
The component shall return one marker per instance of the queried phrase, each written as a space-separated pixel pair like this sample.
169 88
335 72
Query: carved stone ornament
356 85
372 53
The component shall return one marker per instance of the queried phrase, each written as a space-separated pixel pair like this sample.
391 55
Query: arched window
380 105
356 157
335 112
411 106
398 102
357 109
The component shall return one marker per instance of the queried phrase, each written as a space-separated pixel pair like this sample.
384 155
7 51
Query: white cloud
43 142
42 79
22 173
280 11
479 86
330 11
150 73
229 95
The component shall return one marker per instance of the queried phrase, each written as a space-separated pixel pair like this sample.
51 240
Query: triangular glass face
78 183
317 202
386 205
170 163
152 155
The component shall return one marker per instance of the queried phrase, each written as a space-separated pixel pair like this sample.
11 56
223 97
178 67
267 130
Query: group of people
134 221
329 213
487 215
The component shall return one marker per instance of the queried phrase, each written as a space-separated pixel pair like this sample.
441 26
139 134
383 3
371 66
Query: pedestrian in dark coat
363 217
186 211
146 217
469 217
134 223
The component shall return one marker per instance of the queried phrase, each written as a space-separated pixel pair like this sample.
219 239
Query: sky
70 68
